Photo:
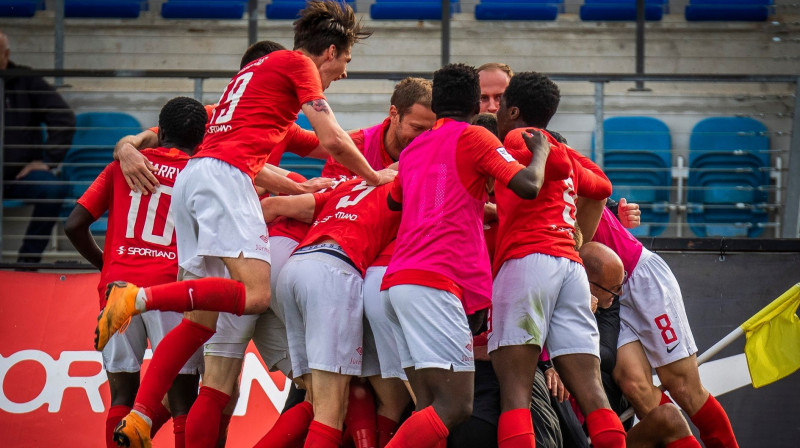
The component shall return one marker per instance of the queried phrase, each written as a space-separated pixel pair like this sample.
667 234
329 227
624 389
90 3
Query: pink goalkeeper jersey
611 233
441 229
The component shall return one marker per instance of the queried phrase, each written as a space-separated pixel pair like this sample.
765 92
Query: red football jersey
546 224
258 107
357 217
140 241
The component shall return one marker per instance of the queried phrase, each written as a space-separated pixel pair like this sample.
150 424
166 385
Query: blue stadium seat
12 203
104 9
728 10
203 9
410 9
20 8
92 149
288 9
518 9
637 159
729 179
620 10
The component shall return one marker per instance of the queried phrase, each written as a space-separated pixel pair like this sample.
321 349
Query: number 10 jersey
140 241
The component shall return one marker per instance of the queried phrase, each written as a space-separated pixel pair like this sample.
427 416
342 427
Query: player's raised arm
527 183
300 207
340 145
138 171
278 181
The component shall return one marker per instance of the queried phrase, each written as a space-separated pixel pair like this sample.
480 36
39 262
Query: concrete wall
720 293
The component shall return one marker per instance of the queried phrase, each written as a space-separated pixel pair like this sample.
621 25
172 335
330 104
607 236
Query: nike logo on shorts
191 297
670 349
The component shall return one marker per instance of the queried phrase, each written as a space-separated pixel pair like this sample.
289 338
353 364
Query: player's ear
161 135
330 53
513 112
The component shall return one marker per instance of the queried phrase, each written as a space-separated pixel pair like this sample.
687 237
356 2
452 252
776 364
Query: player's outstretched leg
581 376
209 294
682 379
120 307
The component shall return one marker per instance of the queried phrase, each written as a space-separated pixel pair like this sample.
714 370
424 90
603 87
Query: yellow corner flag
773 339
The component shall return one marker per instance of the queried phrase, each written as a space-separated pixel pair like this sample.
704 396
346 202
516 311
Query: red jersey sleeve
335 169
480 154
320 199
396 193
303 74
301 141
590 181
98 196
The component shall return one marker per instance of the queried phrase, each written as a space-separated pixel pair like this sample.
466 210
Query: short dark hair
487 120
259 50
409 92
183 122
456 90
535 95
323 23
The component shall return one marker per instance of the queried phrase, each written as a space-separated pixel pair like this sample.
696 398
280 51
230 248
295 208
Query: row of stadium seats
728 173
591 10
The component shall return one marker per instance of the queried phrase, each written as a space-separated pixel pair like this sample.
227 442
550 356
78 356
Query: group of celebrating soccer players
428 247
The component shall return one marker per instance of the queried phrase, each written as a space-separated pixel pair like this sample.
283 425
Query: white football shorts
379 336
125 351
430 328
320 296
652 312
541 298
217 214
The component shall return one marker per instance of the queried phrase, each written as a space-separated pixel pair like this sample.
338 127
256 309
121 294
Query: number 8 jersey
140 241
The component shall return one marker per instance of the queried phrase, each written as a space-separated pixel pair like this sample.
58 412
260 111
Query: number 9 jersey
140 241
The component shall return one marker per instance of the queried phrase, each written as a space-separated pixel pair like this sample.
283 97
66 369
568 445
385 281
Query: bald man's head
604 270
5 51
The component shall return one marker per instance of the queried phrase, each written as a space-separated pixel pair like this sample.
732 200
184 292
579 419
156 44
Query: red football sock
160 417
424 429
686 442
605 429
664 399
322 436
290 428
347 439
172 353
386 428
224 422
210 294
179 429
715 428
515 429
115 414
360 416
202 425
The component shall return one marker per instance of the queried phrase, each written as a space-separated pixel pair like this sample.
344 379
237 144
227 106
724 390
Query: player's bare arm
138 171
340 145
527 183
309 186
77 230
299 207
274 180
588 215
